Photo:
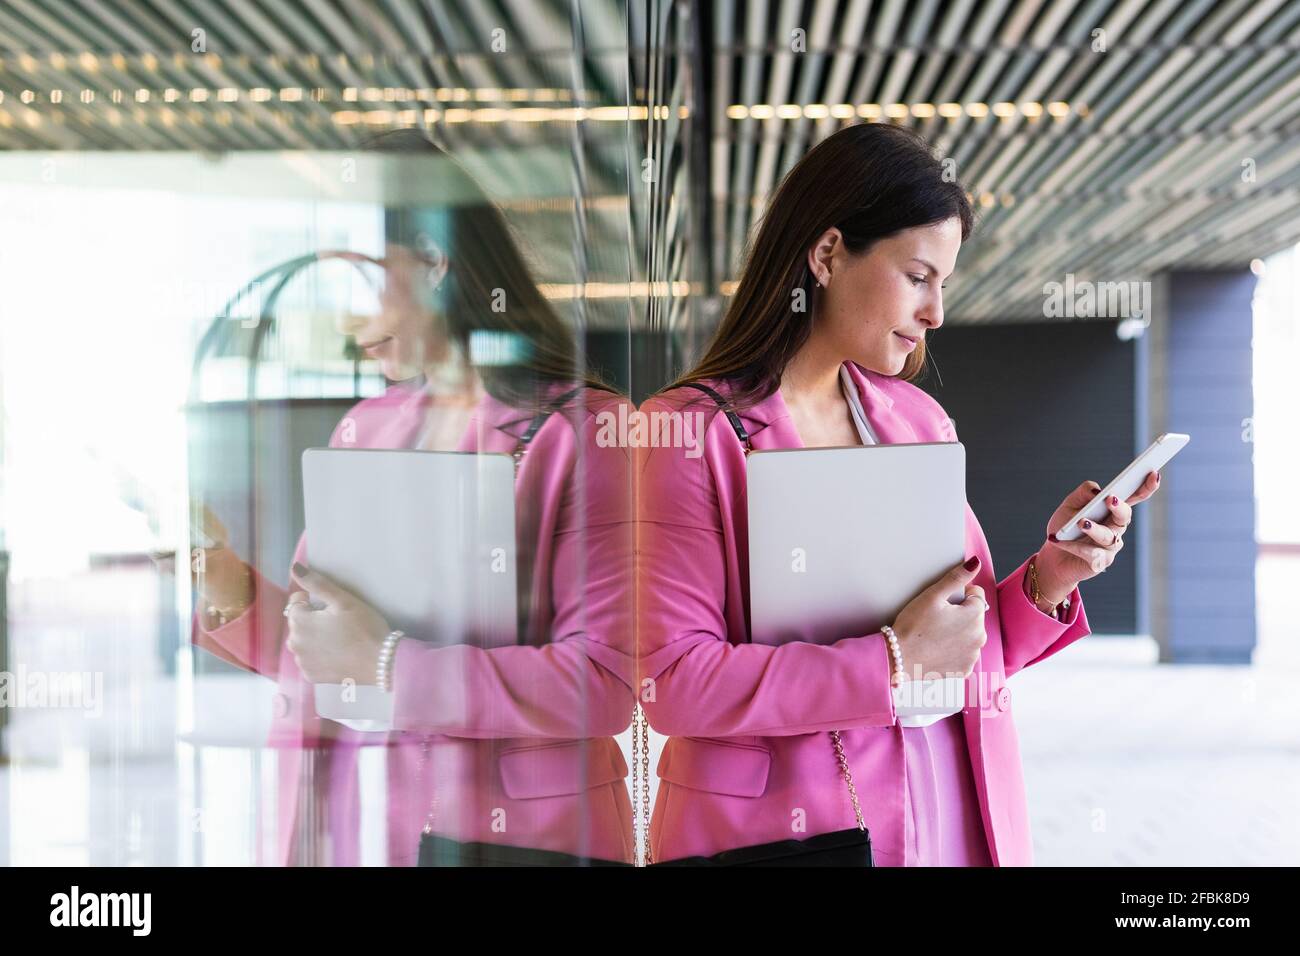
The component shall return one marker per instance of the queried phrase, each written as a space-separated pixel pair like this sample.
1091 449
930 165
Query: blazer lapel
497 426
494 426
770 426
890 427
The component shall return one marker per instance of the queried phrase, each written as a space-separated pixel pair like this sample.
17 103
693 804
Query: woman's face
875 306
402 335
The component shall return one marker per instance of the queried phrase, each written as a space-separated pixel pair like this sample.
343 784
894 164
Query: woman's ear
822 253
435 259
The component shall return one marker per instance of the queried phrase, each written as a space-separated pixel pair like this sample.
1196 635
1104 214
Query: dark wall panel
1040 408
1205 611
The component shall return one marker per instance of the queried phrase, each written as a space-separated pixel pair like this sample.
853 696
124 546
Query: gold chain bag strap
850 847
641 782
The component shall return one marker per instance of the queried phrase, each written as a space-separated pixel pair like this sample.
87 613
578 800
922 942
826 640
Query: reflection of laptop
841 539
426 537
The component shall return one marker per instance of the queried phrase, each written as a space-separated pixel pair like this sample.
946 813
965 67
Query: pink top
941 821
942 825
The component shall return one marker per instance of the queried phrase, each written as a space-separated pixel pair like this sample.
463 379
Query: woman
841 284
510 745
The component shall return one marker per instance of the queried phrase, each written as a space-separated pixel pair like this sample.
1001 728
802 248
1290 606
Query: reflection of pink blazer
522 748
749 754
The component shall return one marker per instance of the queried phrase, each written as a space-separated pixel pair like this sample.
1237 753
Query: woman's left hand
1061 565
338 642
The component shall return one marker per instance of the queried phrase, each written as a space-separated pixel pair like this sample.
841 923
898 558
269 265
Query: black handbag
850 847
842 848
437 850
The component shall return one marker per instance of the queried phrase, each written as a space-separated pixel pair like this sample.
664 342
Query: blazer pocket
716 765
566 767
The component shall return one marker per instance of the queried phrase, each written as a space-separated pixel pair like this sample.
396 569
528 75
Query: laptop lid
426 537
841 539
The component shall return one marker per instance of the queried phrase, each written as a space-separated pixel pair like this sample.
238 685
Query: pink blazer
749 756
515 744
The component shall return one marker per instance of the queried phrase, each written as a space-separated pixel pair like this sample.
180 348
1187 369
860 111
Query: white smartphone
1126 482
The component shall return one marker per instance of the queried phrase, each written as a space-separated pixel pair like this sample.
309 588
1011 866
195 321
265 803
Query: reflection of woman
827 325
510 745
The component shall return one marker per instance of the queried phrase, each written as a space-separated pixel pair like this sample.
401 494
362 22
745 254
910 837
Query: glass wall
417 240
324 323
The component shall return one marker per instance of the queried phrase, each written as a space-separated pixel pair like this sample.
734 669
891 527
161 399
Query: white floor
1127 762
1174 765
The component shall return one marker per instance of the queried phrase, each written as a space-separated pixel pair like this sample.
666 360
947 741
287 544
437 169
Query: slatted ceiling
840 69
382 44
1149 178
910 67
740 183
791 142
779 90
337 44
1210 217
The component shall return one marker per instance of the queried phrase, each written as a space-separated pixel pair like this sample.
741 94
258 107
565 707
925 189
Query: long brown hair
869 180
485 260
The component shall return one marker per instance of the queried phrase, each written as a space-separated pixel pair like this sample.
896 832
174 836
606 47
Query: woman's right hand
938 638
221 579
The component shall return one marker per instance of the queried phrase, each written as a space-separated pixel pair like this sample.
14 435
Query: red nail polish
1053 537
1114 500
1085 524
1157 477
972 564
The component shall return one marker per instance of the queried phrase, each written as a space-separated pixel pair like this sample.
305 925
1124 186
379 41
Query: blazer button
1003 699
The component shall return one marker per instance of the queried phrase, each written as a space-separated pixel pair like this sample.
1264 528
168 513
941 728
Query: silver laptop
841 539
427 537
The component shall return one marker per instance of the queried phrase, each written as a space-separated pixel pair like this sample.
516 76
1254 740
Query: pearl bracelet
896 653
384 669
